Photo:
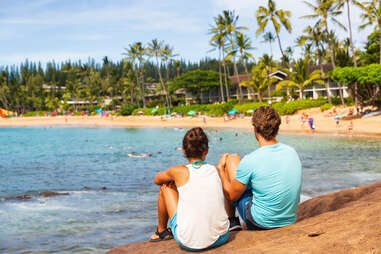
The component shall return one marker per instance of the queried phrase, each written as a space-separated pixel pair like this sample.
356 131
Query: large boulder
347 221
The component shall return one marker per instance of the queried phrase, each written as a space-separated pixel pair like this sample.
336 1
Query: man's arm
233 189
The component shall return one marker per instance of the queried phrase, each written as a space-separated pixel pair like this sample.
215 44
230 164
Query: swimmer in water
143 155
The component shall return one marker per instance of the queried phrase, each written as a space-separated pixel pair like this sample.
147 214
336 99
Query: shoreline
370 127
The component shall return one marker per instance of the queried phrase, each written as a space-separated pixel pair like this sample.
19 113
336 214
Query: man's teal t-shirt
274 174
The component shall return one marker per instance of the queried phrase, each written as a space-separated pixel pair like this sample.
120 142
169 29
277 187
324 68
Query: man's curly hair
266 121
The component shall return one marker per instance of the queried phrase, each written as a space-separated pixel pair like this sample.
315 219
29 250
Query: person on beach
311 123
265 185
192 199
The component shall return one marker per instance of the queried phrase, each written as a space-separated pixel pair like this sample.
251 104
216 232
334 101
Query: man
265 185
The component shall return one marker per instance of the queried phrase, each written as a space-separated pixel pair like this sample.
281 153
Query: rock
86 188
104 188
47 194
22 197
347 221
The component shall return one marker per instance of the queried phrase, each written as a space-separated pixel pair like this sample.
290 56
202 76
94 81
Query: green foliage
283 108
287 108
35 113
369 80
326 106
127 110
244 107
195 81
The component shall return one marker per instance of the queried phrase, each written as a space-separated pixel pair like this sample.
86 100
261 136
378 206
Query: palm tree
301 77
140 53
133 54
167 57
371 15
268 65
278 18
155 48
231 30
219 40
216 44
315 37
259 81
341 5
269 38
324 11
244 46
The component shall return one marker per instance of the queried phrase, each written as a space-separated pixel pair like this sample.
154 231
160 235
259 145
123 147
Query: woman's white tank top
201 214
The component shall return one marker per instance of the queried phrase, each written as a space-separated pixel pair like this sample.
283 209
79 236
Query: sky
59 30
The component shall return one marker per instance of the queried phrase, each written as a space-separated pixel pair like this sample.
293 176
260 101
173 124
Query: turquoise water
92 219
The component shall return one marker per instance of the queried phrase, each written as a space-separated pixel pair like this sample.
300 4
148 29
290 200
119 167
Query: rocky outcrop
347 221
47 194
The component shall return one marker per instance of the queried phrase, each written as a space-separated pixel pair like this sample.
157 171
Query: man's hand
222 162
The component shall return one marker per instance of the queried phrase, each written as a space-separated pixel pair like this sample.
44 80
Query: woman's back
201 214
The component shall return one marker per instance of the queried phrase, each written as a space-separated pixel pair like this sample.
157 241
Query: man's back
274 175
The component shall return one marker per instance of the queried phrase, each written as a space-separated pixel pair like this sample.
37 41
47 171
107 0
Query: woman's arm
177 174
164 177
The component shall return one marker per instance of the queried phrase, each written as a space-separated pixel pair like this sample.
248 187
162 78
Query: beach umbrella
140 112
98 110
232 112
154 110
191 113
250 111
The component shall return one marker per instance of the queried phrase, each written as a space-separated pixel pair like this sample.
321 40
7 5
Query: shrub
326 106
284 108
35 113
127 110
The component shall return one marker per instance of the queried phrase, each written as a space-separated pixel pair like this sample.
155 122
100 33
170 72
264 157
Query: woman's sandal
163 236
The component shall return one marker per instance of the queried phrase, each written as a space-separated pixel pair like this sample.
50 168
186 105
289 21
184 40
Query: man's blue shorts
243 205
220 241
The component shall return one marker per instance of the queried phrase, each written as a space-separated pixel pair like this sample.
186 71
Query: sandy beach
324 124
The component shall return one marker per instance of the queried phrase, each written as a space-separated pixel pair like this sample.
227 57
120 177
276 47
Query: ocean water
80 161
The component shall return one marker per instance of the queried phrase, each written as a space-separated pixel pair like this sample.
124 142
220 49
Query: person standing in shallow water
192 198
265 185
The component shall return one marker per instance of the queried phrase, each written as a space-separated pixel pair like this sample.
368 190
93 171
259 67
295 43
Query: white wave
304 198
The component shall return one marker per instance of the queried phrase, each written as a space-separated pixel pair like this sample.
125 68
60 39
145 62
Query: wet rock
21 197
86 188
104 188
47 194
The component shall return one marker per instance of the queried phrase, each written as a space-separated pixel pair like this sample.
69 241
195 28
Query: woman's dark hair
266 121
195 143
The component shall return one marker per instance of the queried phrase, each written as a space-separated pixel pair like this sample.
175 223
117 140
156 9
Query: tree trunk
169 96
353 52
236 73
280 47
226 78
220 75
379 29
325 83
334 67
259 95
161 81
142 88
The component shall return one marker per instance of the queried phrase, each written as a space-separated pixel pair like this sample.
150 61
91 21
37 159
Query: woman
192 197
